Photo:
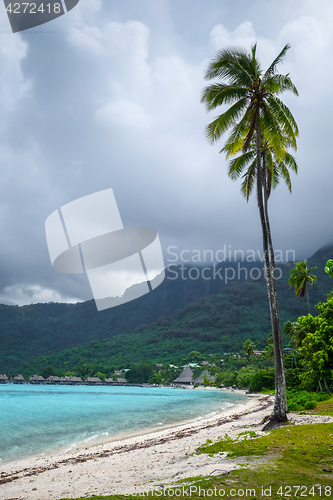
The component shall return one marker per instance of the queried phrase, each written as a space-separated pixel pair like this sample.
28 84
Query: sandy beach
137 464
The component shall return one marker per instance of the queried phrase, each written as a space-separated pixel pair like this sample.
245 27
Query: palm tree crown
300 277
253 95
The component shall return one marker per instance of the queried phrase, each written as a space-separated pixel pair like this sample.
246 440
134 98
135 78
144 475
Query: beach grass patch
294 462
324 408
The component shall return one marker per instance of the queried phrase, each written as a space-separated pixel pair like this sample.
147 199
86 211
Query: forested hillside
178 317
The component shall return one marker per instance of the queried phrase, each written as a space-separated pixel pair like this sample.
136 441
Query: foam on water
37 419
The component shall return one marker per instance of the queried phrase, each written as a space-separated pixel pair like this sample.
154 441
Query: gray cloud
112 99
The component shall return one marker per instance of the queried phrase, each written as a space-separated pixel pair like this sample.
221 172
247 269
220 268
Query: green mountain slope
191 318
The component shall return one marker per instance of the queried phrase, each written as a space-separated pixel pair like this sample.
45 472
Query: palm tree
300 277
295 331
258 119
249 347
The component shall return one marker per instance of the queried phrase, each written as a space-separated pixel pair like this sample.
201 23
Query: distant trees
140 373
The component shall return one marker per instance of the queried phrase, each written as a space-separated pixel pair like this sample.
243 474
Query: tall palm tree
256 116
300 277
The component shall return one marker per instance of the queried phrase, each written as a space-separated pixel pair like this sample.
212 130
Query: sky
108 96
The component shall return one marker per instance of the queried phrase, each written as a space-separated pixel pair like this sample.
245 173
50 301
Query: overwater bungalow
93 380
185 378
122 381
36 379
53 379
3 378
18 379
70 380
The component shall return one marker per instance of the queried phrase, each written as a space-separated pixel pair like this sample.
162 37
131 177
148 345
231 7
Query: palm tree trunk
327 388
280 405
307 299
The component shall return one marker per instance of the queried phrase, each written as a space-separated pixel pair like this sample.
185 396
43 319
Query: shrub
304 400
310 405
263 378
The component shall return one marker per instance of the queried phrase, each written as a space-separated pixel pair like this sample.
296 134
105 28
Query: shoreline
101 438
136 465
90 468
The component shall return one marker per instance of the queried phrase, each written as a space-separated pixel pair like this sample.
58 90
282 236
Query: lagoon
37 419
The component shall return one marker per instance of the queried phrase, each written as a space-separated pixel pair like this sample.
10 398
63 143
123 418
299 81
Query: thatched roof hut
122 381
36 379
18 379
200 379
70 380
93 380
109 380
3 378
53 379
185 378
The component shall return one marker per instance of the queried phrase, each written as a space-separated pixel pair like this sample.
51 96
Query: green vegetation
300 277
303 400
204 316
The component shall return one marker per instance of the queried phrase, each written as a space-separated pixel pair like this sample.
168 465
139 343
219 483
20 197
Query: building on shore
204 374
185 378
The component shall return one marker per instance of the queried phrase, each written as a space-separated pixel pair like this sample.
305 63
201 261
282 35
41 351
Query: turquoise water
37 419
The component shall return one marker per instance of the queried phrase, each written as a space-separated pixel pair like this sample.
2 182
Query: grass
323 408
277 464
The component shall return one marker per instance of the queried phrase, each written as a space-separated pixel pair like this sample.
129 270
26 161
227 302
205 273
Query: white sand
137 464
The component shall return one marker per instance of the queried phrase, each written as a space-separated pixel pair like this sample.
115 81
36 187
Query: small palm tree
269 349
300 277
295 331
249 347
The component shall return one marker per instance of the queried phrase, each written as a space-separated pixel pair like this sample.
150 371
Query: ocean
37 420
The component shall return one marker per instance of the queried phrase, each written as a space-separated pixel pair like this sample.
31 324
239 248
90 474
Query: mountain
181 315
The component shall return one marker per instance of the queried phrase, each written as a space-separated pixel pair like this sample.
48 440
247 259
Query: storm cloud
109 96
